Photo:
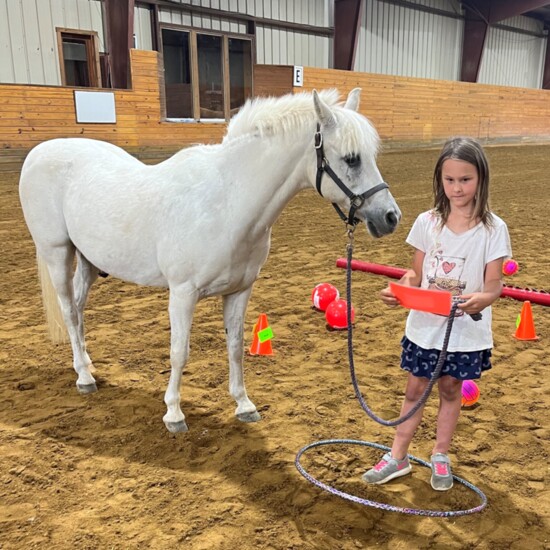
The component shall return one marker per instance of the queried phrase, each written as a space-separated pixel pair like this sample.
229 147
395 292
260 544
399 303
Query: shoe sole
399 473
441 488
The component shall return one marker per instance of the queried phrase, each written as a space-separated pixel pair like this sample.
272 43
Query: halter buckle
357 201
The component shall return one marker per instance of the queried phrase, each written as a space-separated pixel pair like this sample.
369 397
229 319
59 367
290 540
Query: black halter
355 200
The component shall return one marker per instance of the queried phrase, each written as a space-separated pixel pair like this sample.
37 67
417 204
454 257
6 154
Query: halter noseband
355 200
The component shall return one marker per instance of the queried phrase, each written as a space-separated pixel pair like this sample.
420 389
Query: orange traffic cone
526 328
261 337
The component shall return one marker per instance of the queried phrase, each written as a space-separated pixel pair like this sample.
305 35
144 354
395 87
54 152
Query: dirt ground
100 471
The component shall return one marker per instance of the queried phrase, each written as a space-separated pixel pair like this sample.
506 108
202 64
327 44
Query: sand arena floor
100 471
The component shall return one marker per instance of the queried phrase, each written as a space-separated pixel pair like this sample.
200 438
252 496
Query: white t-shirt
455 263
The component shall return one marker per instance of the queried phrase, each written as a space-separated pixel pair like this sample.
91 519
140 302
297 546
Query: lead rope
438 368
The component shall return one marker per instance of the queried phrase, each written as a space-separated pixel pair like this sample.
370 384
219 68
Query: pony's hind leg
181 306
59 261
85 275
234 308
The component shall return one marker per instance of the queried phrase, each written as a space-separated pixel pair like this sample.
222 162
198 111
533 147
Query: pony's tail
54 317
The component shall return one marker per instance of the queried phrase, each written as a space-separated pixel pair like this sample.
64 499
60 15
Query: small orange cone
526 328
261 337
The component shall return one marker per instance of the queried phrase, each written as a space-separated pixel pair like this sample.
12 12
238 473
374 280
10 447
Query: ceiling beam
493 11
347 25
504 9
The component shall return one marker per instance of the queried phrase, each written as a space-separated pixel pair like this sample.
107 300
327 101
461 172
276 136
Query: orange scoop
422 299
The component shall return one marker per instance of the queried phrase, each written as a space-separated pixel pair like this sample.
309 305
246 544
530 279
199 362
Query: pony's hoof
176 427
86 388
253 416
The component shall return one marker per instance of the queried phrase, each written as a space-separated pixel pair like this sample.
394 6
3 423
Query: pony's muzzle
383 223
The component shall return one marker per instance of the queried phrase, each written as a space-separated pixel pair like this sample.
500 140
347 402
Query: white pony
198 223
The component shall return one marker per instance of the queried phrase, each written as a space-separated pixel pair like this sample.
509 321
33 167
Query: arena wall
406 111
418 111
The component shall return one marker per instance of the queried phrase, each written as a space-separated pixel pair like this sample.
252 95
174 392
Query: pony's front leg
234 308
181 307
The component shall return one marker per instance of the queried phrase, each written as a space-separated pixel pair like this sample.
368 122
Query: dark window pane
209 50
76 63
240 72
177 74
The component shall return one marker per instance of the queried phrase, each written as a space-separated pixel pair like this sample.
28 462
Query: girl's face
460 180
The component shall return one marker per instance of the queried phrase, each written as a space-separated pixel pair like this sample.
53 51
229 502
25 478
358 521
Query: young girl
459 246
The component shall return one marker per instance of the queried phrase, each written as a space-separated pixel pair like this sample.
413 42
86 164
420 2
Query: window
240 72
177 74
210 64
207 76
79 58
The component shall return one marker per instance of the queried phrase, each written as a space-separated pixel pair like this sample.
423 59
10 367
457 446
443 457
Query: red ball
470 393
337 314
323 294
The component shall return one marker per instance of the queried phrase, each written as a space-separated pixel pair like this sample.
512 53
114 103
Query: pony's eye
352 160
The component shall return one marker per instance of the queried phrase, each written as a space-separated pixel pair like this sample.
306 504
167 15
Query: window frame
91 42
225 36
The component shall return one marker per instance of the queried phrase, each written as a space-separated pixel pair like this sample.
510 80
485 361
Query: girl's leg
405 431
450 398
394 464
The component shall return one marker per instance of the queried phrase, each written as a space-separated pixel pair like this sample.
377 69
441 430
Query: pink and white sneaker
387 469
442 476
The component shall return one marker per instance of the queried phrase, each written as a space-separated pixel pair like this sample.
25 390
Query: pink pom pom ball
510 267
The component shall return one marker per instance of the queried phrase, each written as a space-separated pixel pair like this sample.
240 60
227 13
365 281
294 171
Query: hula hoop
381 505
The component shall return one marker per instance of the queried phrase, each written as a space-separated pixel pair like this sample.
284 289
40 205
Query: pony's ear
352 102
324 114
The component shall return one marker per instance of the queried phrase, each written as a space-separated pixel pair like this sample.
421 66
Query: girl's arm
412 277
492 287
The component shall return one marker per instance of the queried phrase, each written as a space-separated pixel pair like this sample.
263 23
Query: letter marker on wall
298 76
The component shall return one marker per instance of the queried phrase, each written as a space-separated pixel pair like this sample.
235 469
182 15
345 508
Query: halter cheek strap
355 200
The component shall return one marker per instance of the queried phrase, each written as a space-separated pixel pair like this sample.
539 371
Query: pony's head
341 165
345 171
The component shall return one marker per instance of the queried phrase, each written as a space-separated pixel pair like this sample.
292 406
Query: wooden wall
417 111
274 80
32 114
406 111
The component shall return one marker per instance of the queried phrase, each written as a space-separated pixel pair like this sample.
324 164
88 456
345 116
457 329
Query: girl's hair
468 150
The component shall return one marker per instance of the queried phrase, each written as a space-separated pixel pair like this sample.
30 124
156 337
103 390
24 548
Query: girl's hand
475 303
388 297
478 301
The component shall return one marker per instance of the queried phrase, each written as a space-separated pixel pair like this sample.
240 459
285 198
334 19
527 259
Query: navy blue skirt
461 365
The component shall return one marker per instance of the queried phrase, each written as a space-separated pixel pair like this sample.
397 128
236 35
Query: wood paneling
31 114
413 111
272 80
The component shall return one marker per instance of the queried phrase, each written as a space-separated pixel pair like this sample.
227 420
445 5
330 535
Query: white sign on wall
98 107
298 76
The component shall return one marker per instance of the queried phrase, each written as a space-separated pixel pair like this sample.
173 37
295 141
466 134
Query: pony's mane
276 115
271 116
